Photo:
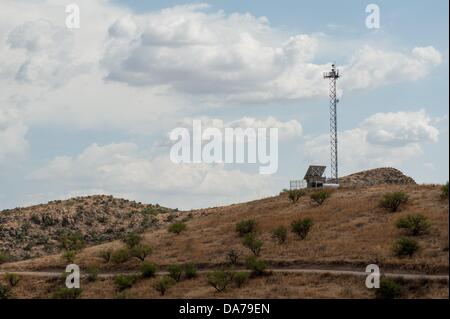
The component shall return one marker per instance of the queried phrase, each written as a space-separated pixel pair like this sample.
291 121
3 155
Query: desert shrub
254 244
219 279
4 257
12 279
405 247
163 285
141 251
257 266
72 241
190 271
245 227
295 194
123 282
175 272
132 240
392 201
319 197
444 192
302 227
67 293
69 256
177 227
148 270
5 292
92 274
120 255
280 234
240 278
233 256
106 255
389 289
415 224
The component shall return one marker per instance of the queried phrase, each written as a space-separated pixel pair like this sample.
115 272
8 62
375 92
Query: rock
377 176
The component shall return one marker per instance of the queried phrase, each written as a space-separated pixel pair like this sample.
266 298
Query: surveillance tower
333 75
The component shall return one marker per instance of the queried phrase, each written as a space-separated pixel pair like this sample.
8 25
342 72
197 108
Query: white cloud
13 144
384 139
122 169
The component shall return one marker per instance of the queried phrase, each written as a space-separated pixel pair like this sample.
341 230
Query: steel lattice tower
333 75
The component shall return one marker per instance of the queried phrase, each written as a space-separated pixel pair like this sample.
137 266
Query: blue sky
85 111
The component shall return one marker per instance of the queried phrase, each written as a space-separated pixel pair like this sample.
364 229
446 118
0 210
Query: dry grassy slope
36 230
349 229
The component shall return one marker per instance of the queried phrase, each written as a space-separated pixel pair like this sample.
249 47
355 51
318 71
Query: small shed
314 176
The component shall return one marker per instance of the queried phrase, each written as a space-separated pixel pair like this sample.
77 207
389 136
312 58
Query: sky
89 110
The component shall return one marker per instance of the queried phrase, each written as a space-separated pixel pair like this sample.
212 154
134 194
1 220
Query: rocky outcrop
384 175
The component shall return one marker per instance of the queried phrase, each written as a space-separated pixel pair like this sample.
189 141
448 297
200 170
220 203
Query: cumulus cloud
123 169
13 143
383 139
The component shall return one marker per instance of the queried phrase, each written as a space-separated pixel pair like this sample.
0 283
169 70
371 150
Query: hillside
37 230
349 231
377 176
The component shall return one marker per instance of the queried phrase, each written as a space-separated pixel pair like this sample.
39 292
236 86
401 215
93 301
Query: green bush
405 247
295 194
5 292
392 201
254 244
148 270
123 282
415 224
106 255
389 289
240 278
233 256
72 241
190 271
219 279
13 279
69 256
132 240
163 285
175 272
245 227
280 234
120 256
302 227
141 251
444 192
177 227
67 293
4 257
92 274
257 266
319 197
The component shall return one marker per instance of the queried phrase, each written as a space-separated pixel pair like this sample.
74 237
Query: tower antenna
333 75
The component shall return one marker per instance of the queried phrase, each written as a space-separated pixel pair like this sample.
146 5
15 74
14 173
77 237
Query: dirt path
405 276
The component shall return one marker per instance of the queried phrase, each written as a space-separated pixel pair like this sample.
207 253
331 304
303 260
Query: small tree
233 256
257 266
219 279
319 197
444 192
190 271
141 251
415 224
280 234
148 270
392 201
405 247
295 194
240 278
123 282
251 242
245 227
120 256
175 272
13 279
389 289
177 227
163 285
302 227
132 240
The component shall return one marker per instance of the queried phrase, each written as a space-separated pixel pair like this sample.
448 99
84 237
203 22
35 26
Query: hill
377 176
